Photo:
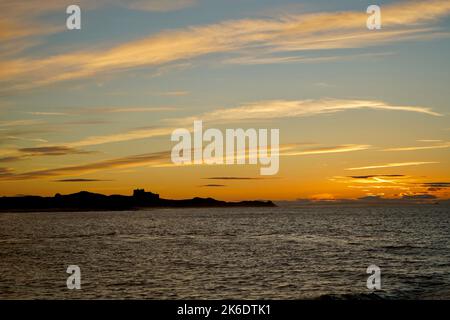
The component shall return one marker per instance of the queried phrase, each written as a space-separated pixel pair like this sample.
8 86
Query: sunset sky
361 112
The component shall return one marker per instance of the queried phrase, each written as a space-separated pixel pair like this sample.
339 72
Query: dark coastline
87 201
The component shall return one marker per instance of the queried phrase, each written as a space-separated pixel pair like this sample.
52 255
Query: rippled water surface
272 253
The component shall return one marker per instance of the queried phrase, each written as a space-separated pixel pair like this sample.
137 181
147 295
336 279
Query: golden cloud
317 31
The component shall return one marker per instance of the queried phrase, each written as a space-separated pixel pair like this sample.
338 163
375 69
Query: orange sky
360 112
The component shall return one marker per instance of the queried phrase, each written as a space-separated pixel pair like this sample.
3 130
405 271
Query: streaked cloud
23 134
437 184
43 113
131 109
16 123
272 59
414 148
51 151
39 140
21 18
26 153
374 180
124 162
378 175
158 5
174 93
289 33
273 109
419 197
18 19
332 149
95 110
81 180
429 140
213 185
157 159
255 60
405 185
120 137
393 165
5 172
285 150
368 187
10 159
235 178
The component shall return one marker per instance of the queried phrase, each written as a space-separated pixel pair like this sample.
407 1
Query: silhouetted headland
87 201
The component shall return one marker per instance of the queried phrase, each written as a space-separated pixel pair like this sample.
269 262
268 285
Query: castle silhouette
88 201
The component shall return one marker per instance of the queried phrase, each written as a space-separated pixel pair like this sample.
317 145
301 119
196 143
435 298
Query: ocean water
227 253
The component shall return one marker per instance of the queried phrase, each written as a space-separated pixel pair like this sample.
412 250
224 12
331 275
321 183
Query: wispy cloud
419 197
95 110
407 185
332 149
120 137
297 32
16 123
235 178
157 159
393 165
124 162
414 148
272 59
273 109
39 140
81 180
131 109
51 150
173 93
5 172
437 184
285 150
254 60
10 159
19 19
378 176
429 140
43 113
26 153
374 180
158 5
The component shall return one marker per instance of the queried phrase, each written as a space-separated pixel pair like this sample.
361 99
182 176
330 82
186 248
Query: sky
361 113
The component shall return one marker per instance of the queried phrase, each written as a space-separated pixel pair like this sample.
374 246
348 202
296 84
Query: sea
228 253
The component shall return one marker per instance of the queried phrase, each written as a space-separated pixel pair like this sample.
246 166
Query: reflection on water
252 253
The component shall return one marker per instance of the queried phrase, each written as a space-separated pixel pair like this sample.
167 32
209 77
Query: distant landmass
87 201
